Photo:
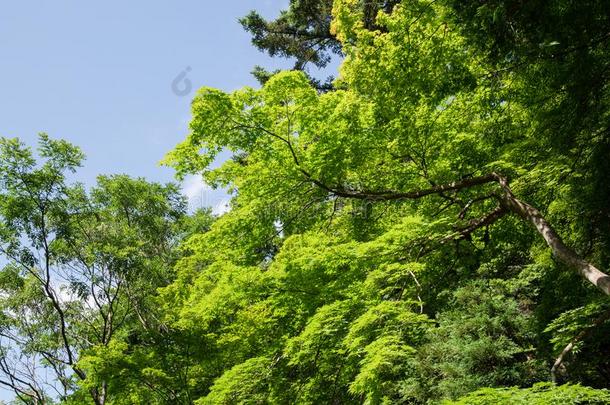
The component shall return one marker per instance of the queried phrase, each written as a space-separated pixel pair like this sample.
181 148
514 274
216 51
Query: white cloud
200 194
194 187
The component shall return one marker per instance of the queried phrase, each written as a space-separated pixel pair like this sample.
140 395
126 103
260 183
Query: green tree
433 226
303 32
80 268
433 164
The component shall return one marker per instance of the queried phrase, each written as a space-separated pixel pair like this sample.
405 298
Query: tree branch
507 200
580 336
565 254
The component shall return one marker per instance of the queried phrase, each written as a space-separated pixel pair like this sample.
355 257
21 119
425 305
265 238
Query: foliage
303 32
81 267
541 393
422 99
483 340
363 259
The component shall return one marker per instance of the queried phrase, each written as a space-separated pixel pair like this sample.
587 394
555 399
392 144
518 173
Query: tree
303 32
433 227
81 267
400 187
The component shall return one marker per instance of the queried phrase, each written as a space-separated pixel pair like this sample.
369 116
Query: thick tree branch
506 198
508 202
389 195
566 255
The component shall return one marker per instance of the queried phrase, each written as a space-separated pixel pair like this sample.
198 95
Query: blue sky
100 74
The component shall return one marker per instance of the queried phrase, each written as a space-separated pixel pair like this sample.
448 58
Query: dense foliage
433 227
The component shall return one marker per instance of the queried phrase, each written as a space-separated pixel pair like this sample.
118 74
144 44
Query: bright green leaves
246 383
431 101
539 394
242 122
284 125
417 55
347 20
382 340
393 280
367 350
101 362
324 296
214 111
386 318
337 140
287 92
321 309
324 330
381 369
